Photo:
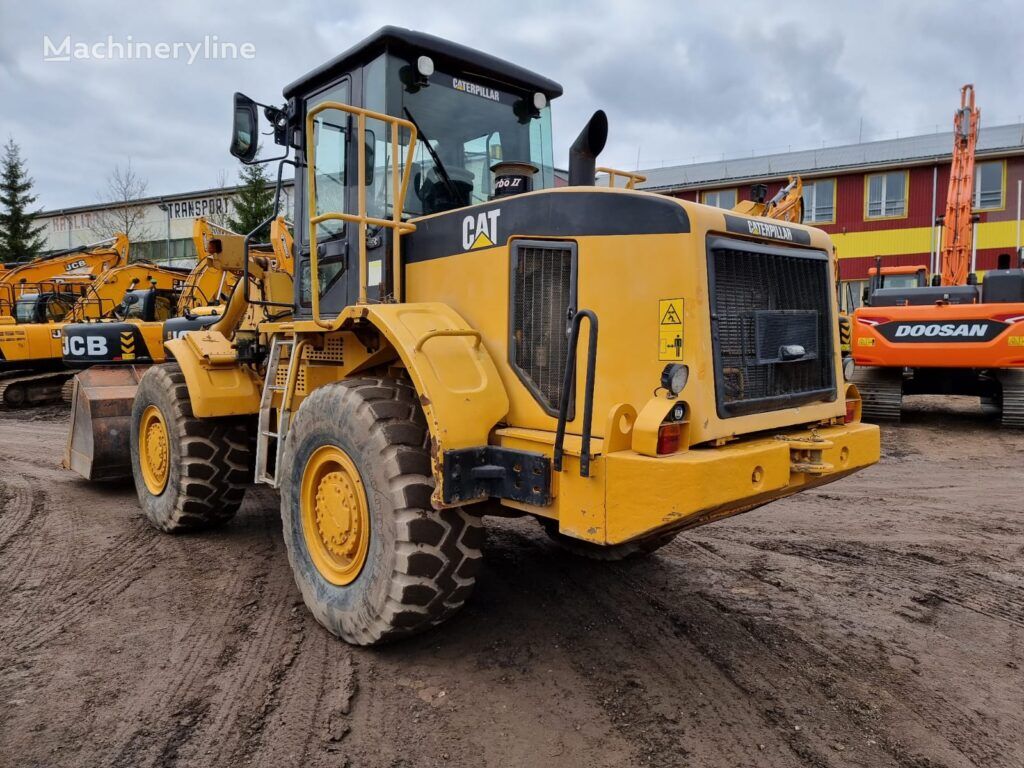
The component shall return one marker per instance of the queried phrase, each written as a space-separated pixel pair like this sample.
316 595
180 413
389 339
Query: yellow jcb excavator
103 395
31 344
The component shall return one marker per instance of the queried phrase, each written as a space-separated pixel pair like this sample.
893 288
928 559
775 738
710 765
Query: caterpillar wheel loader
466 338
956 335
33 348
116 352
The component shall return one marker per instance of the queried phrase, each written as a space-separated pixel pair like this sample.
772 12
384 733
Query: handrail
588 392
361 218
477 336
632 179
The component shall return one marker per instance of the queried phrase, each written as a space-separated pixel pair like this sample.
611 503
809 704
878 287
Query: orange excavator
956 335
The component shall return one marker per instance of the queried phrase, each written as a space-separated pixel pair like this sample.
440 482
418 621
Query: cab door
337 250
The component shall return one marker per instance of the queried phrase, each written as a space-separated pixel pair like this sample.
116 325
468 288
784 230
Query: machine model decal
480 230
956 330
670 330
773 230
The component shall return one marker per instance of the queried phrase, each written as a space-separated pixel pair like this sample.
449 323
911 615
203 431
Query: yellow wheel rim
335 516
154 450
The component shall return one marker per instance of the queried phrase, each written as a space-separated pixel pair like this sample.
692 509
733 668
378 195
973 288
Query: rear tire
606 552
403 566
205 464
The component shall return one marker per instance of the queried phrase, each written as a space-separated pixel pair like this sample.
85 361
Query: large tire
610 552
209 462
417 565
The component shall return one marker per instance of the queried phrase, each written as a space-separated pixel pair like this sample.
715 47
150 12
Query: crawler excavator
440 356
34 348
101 400
955 336
64 272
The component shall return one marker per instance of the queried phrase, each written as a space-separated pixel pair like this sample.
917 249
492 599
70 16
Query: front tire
373 560
190 473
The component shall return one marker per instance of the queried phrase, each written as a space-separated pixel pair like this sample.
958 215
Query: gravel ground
878 621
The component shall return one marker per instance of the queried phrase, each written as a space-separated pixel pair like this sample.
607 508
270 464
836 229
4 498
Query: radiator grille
543 293
771 326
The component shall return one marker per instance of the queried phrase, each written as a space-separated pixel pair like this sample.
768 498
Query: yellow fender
460 390
217 384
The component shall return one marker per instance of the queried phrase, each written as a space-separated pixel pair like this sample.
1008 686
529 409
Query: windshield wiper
434 156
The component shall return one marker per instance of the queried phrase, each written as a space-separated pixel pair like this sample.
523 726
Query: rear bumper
629 495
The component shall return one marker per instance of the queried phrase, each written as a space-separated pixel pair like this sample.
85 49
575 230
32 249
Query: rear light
851 411
668 438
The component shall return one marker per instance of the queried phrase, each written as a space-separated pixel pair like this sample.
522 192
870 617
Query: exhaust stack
584 151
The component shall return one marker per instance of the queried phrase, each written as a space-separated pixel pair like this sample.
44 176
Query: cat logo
480 230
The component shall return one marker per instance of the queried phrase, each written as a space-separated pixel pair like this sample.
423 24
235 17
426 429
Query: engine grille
771 327
543 293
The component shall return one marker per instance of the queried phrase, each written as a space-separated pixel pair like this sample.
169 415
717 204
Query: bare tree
220 217
125 188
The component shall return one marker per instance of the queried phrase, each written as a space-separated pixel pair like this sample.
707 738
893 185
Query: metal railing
632 179
399 189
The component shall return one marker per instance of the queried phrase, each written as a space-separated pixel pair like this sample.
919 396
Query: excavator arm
957 224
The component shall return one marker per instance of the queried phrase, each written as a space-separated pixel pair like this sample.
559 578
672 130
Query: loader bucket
101 409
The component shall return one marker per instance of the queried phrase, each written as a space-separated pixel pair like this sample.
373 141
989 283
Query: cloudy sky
681 82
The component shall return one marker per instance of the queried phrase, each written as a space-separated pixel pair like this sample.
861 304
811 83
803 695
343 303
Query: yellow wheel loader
466 338
33 343
115 352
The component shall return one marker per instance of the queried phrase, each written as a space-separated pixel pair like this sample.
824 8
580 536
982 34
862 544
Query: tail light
668 438
851 411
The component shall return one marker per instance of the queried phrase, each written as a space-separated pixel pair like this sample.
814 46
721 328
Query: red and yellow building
878 199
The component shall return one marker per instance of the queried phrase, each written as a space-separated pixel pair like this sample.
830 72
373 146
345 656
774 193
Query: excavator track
881 392
1012 381
33 389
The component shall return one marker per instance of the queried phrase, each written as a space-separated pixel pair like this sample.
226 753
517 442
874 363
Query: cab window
56 309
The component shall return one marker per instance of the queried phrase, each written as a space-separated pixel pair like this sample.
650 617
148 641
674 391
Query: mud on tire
421 563
210 460
609 553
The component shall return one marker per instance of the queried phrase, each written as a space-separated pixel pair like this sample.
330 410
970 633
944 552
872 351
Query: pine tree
254 203
19 240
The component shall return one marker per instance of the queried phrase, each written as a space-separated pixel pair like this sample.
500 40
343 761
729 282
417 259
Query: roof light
425 66
540 100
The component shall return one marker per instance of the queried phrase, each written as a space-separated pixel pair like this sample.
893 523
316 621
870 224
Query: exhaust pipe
584 151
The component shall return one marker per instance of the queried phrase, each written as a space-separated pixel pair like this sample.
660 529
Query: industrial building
876 199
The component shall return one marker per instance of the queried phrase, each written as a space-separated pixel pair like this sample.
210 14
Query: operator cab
40 308
146 305
478 119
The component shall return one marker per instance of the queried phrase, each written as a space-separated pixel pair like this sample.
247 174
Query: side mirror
245 129
865 295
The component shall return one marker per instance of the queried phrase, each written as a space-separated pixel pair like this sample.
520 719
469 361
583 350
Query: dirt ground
878 621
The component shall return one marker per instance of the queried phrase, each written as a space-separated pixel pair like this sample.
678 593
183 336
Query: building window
887 195
721 198
988 185
819 201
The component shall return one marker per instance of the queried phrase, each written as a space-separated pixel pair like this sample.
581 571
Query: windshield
470 125
901 281
25 308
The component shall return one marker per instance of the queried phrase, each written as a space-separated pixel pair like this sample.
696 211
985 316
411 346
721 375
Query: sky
681 82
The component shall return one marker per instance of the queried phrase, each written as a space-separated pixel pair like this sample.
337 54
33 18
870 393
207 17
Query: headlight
674 377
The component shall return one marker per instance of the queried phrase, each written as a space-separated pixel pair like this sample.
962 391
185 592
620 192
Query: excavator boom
957 230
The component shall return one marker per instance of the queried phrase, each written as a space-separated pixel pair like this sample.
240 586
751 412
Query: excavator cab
48 307
147 305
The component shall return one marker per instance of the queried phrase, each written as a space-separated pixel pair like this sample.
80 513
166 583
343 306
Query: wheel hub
335 516
154 450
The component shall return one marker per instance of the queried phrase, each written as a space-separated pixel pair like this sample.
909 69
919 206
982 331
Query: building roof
912 150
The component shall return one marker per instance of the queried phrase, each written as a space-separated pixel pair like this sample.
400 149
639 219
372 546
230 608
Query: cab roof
466 60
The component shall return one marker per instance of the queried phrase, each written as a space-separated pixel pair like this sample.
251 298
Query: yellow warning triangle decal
671 316
482 241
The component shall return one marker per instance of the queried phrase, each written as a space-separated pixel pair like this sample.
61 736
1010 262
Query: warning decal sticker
670 330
